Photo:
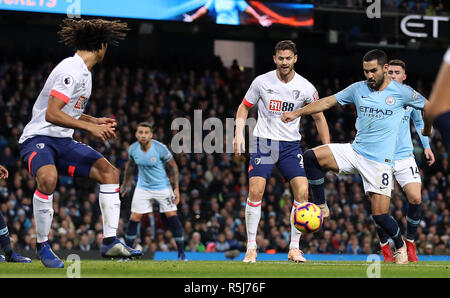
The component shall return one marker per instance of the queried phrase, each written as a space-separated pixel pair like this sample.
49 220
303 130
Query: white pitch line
356 264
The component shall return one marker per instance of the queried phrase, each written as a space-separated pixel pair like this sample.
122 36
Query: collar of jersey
82 61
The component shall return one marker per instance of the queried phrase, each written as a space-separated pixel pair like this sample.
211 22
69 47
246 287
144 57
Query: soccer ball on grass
307 217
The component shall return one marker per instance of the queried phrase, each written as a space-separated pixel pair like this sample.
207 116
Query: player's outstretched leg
316 178
108 177
5 245
110 206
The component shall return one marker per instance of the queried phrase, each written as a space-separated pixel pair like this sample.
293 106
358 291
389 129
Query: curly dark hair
89 35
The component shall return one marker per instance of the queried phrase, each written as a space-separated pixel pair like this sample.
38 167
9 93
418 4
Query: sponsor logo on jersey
275 105
374 112
280 106
316 96
81 103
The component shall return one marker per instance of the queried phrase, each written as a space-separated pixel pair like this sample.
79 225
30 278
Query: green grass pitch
226 269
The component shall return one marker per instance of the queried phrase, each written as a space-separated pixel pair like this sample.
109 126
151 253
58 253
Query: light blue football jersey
380 114
227 11
151 171
404 143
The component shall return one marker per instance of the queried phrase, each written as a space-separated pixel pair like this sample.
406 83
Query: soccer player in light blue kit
151 158
380 104
406 171
227 12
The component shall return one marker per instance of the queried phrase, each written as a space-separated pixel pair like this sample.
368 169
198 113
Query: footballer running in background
275 142
151 158
406 171
47 146
380 104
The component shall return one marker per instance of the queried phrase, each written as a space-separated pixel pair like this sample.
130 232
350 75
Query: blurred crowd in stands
214 186
429 7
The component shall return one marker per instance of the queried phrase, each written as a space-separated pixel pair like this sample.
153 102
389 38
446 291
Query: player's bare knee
255 194
110 176
415 199
302 197
47 183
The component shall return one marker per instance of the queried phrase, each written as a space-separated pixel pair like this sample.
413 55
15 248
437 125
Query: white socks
109 201
295 234
252 217
43 214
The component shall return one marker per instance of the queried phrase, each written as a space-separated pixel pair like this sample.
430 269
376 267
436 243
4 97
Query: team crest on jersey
153 159
81 103
40 145
296 94
390 100
67 80
316 96
257 161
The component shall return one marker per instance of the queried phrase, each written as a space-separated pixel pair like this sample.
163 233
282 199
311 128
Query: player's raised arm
56 116
313 108
190 18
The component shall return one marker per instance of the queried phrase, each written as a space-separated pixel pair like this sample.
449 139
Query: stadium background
165 70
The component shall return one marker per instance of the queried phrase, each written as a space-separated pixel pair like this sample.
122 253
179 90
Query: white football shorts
376 176
406 171
143 199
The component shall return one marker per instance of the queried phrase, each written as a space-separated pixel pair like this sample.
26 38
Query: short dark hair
145 124
286 45
90 35
398 62
376 54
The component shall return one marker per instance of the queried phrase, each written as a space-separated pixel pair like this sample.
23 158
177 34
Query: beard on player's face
376 82
376 79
